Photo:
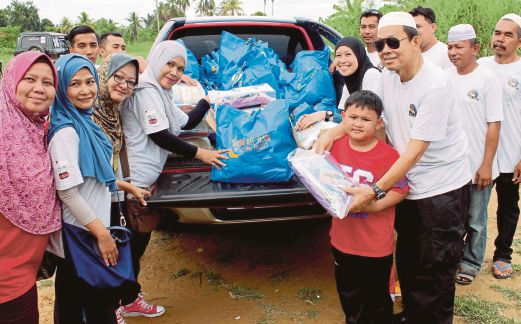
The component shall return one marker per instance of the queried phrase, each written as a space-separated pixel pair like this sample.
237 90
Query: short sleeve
430 123
150 111
64 151
494 100
373 81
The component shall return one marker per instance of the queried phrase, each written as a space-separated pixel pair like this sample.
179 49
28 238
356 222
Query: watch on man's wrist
329 115
379 193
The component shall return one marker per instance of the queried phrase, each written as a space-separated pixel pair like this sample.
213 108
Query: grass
310 295
139 48
180 273
279 276
510 293
517 246
300 316
45 283
242 292
476 310
269 312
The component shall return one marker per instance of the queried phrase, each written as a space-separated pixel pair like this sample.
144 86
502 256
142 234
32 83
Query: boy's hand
309 119
324 142
517 173
363 197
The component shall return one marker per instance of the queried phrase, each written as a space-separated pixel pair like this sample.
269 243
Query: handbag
47 266
81 247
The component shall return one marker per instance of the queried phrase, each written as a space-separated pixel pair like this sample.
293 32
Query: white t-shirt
438 54
509 151
142 115
372 81
375 59
424 109
480 100
64 149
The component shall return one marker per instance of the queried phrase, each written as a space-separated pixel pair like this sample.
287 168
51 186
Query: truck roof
195 20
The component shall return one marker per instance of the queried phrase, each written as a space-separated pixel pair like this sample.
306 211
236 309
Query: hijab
354 81
95 149
26 180
106 111
157 59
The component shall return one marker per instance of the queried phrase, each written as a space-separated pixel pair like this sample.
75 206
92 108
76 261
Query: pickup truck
184 189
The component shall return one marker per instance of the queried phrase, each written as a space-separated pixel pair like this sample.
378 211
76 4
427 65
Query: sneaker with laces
140 307
119 316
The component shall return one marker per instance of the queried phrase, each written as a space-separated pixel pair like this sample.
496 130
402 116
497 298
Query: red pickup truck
184 189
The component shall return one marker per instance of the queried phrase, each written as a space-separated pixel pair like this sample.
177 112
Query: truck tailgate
196 190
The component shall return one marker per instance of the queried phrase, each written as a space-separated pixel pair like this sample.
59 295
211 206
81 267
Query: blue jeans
476 239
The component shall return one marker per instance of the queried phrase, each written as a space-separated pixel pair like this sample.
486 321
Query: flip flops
464 278
498 267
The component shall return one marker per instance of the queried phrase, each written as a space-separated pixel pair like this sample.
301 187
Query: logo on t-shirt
151 117
513 83
412 110
473 94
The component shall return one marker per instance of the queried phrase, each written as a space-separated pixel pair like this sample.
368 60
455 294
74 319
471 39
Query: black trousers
428 250
363 288
21 310
507 216
78 303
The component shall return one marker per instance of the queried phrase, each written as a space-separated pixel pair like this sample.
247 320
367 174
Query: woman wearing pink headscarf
29 209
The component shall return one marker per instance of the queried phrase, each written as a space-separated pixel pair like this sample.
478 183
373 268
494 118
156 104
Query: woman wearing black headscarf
352 62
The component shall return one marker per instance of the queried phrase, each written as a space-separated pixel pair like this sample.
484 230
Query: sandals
464 278
498 267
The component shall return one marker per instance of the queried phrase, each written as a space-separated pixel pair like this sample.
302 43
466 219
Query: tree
272 1
264 8
104 25
134 26
4 18
65 25
232 8
183 5
47 25
84 19
23 14
206 8
258 13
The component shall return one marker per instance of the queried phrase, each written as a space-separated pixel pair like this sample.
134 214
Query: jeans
476 239
428 250
507 216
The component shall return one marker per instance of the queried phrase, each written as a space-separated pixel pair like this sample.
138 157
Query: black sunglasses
392 42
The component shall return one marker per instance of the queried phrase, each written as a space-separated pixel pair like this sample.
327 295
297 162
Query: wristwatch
329 115
379 193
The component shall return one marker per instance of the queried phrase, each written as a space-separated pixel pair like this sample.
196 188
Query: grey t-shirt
143 114
64 150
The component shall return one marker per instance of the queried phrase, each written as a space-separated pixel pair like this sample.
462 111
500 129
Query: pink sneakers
140 307
119 316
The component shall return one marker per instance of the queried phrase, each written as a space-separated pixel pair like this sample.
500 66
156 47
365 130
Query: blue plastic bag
259 144
192 67
210 71
310 81
244 63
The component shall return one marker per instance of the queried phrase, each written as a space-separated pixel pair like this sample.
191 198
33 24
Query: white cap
461 32
512 16
397 18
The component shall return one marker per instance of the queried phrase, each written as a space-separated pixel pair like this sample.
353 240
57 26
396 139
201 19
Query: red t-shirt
365 234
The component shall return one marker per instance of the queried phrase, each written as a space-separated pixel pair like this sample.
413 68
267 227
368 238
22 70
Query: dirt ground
262 273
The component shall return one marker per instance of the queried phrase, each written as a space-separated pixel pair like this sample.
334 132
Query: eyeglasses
392 42
121 80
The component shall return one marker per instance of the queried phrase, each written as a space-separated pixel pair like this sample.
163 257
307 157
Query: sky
118 10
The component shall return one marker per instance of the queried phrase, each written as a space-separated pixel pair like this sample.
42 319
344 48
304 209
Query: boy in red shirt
363 242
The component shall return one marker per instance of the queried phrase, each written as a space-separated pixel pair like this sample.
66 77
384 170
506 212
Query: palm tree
205 8
65 25
232 7
170 9
134 26
84 19
183 5
264 7
272 1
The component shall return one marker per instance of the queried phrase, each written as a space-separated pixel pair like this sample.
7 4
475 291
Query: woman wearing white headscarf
151 125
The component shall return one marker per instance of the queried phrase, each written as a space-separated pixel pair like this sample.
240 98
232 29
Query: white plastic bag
324 179
307 137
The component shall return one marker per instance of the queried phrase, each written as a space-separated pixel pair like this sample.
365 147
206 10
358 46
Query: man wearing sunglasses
423 126
431 47
506 64
368 27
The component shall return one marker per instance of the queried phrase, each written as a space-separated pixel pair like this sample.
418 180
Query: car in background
52 44
184 190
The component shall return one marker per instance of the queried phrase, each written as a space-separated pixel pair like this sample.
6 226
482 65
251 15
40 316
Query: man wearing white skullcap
506 39
432 49
479 98
423 125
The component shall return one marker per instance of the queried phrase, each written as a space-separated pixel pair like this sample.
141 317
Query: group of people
64 126
452 122
111 127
